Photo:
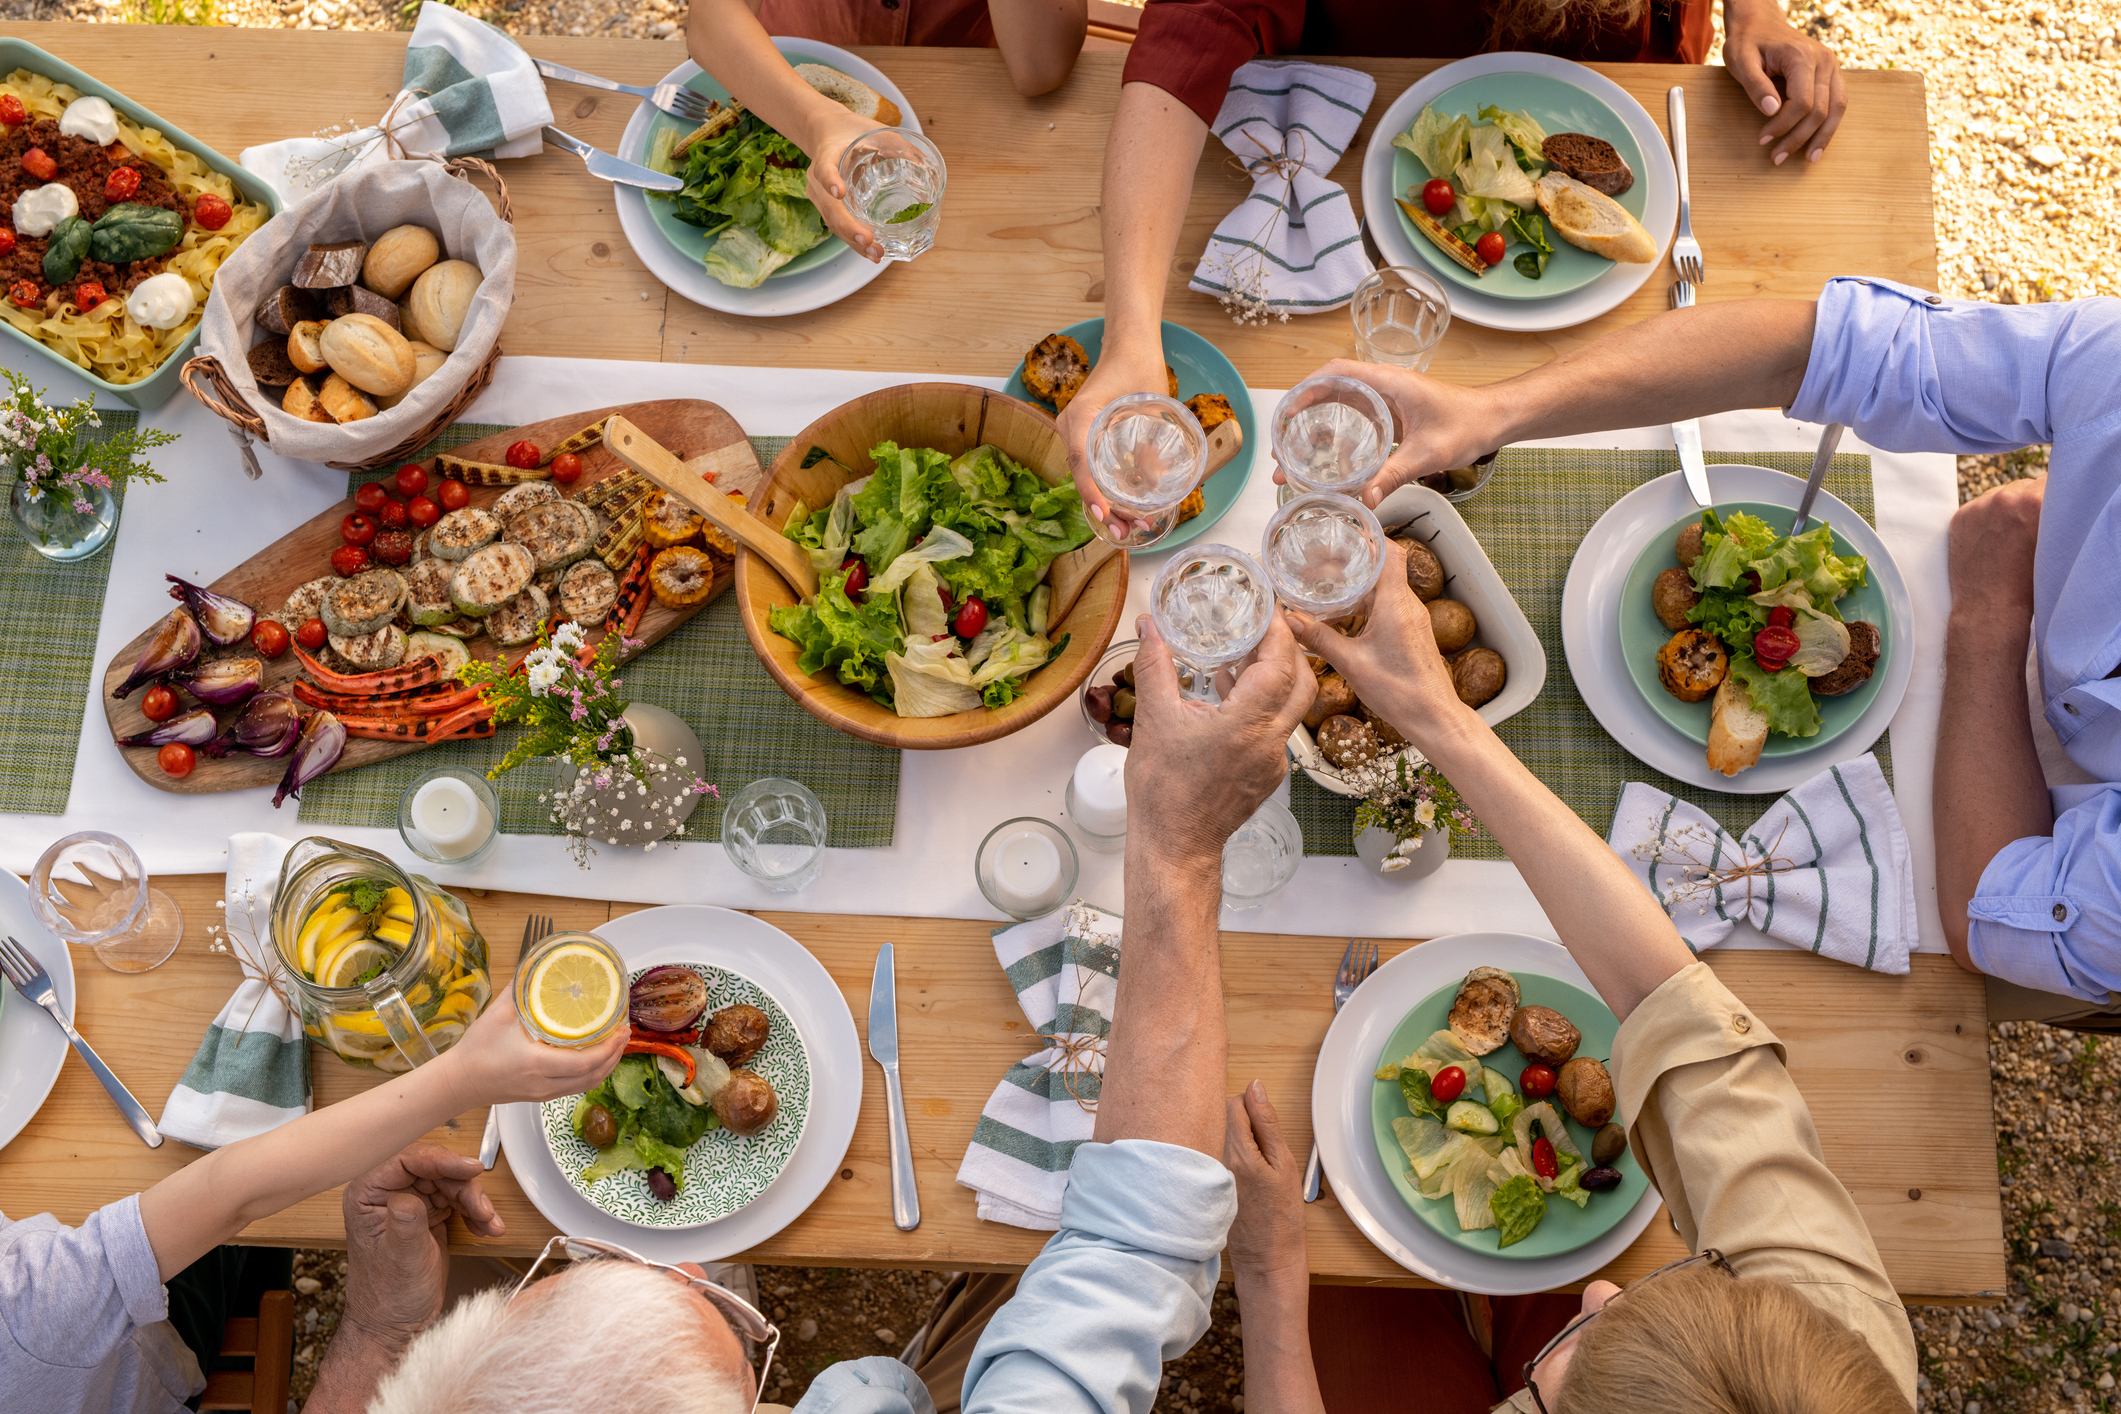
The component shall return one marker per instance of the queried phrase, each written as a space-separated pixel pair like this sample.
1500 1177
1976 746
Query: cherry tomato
12 112
357 529
411 479
423 512
121 183
453 494
211 212
38 163
312 634
88 294
971 618
857 574
1536 1081
349 560
1438 197
1773 647
176 759
371 498
524 456
1544 1162
1447 1085
24 293
393 515
269 638
7 241
393 547
1782 616
159 705
566 468
1490 247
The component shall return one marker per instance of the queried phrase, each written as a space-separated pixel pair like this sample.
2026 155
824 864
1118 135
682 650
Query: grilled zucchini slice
580 442
305 603
555 534
490 578
518 499
587 592
447 647
363 604
457 535
473 473
371 652
519 620
427 592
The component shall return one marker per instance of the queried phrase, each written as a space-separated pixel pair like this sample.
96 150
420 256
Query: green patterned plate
723 1172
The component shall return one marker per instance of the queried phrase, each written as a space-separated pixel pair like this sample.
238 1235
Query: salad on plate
1480 191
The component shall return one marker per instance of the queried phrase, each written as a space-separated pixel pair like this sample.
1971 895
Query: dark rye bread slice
270 365
1590 160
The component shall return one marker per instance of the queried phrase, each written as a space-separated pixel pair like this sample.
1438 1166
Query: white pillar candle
1100 803
1026 872
451 817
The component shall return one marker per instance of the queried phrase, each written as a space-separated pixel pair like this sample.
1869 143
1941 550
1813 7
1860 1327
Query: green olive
1128 673
599 1129
1123 703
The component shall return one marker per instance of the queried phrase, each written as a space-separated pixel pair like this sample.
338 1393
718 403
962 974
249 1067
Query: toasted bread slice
1590 220
1445 241
850 93
1737 729
1590 160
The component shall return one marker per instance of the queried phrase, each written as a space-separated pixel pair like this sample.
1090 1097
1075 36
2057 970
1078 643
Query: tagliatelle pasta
110 344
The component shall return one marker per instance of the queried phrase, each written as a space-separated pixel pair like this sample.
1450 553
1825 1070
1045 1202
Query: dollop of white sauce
91 118
161 301
38 211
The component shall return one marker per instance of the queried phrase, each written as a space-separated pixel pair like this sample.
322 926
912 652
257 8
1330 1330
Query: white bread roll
397 259
440 300
427 361
1590 220
368 353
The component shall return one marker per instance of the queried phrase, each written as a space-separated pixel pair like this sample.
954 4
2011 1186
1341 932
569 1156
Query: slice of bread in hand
1590 220
1737 729
850 93
1590 160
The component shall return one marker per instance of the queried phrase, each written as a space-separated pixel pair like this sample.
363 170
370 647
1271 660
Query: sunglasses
1711 1256
746 1318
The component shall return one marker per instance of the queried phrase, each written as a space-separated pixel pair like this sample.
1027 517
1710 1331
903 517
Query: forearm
1039 40
1150 157
725 38
354 1365
1275 1308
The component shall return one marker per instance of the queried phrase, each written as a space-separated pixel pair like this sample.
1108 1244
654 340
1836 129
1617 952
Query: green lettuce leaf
1490 171
1731 617
1570 1185
655 1154
1524 134
742 259
1437 142
1518 1206
851 640
668 1117
1786 697
1506 1106
629 1083
617 1159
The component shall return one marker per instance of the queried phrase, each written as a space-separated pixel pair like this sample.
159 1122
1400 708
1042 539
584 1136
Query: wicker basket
220 376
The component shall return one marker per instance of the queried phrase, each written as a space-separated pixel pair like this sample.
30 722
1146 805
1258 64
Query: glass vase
55 528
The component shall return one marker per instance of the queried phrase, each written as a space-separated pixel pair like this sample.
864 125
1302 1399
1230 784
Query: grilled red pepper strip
634 595
475 731
636 1046
422 702
385 727
418 673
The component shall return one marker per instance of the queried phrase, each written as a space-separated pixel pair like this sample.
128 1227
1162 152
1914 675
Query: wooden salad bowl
953 418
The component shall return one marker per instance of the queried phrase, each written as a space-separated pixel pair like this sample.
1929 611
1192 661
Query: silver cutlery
35 985
1686 436
536 929
883 1048
1686 251
673 98
1357 963
605 167
1828 441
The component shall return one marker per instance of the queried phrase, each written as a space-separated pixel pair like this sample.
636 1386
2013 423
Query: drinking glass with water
1400 317
1324 553
894 181
1212 604
1331 434
1147 453
774 830
1261 856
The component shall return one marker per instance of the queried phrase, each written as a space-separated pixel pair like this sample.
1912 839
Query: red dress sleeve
1190 48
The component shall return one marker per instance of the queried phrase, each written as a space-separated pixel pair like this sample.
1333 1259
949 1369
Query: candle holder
450 816
1026 867
1095 799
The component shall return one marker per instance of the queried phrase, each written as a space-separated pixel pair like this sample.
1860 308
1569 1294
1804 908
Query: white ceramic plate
32 1047
1590 629
1340 1110
1659 217
799 982
1473 582
826 284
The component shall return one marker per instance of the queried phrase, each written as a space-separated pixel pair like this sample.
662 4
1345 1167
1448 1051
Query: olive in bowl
1108 700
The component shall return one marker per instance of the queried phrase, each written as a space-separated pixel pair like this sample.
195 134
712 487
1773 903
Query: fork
1686 251
1357 963
536 929
35 984
673 98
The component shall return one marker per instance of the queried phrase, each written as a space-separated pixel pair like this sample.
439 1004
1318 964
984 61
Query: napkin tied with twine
1293 245
1065 970
251 1072
1827 867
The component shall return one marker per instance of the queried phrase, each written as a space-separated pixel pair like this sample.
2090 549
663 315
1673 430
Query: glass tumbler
894 181
90 888
774 830
1147 453
1332 434
1401 315
1324 553
1212 604
1260 858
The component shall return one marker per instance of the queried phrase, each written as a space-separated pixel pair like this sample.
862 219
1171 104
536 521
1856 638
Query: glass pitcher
386 967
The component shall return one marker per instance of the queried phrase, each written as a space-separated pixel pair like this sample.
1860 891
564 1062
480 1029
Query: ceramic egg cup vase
671 798
1376 847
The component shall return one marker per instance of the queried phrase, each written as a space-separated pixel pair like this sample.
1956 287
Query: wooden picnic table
1895 1068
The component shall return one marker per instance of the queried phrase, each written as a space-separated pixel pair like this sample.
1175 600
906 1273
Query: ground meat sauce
85 167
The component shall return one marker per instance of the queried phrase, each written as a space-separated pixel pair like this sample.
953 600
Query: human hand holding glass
1442 425
1122 367
1146 453
1324 553
892 183
1211 605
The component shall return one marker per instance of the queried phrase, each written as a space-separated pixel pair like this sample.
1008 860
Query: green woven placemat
1534 513
48 659
705 672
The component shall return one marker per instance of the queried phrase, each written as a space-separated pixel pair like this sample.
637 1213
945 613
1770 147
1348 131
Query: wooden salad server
1073 570
641 452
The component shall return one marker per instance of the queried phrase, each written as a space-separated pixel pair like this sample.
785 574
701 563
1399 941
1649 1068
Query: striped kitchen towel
1826 868
1294 245
1065 969
252 1071
469 91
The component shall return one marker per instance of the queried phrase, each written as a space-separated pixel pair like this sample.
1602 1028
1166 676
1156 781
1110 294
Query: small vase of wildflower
1408 816
623 772
68 471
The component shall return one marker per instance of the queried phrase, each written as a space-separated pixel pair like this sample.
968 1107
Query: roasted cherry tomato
269 638
524 456
1544 1162
1782 616
1535 1081
393 547
423 512
1773 647
393 516
566 468
176 759
211 212
857 574
7 241
371 498
1447 1085
971 618
357 529
1438 197
38 163
1490 247
88 294
411 479
121 183
453 494
349 560
12 112
24 293
160 704
312 635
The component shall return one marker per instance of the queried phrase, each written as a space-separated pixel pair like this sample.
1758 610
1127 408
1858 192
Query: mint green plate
1642 634
1558 107
1565 1227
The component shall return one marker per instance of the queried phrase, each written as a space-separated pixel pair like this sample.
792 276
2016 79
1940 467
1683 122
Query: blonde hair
1697 1342
1526 24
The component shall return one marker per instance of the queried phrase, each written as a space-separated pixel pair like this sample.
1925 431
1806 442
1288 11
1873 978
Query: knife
883 1047
613 169
1828 441
1686 436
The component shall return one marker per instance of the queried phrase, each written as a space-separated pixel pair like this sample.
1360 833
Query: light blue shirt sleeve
2047 914
1124 1286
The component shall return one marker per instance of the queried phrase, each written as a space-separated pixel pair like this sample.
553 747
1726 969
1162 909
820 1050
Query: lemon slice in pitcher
344 967
574 992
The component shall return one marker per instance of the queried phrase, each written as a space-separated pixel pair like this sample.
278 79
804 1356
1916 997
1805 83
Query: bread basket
361 205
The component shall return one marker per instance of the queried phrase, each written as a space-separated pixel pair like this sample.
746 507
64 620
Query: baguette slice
850 93
1590 220
1737 729
1445 241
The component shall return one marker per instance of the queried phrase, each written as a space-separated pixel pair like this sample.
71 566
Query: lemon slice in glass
343 967
574 992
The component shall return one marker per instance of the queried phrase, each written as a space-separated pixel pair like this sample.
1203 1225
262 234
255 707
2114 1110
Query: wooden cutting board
699 432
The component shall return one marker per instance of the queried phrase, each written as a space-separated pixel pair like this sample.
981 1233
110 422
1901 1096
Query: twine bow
220 940
1283 164
314 171
1077 1052
1772 862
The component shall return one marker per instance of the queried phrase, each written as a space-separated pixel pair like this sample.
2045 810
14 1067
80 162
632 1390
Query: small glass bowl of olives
1108 695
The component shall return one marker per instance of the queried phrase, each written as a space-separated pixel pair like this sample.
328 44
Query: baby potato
1424 570
1478 674
1688 546
1335 698
735 1033
746 1104
1585 1091
1452 623
1544 1035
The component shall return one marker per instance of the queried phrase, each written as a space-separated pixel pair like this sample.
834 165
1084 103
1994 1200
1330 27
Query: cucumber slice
1471 1117
449 649
1495 1082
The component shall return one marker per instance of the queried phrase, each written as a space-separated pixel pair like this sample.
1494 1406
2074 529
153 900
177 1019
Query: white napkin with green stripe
252 1070
1065 969
1826 868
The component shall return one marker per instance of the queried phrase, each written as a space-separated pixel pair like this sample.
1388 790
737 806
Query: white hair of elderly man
608 1336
